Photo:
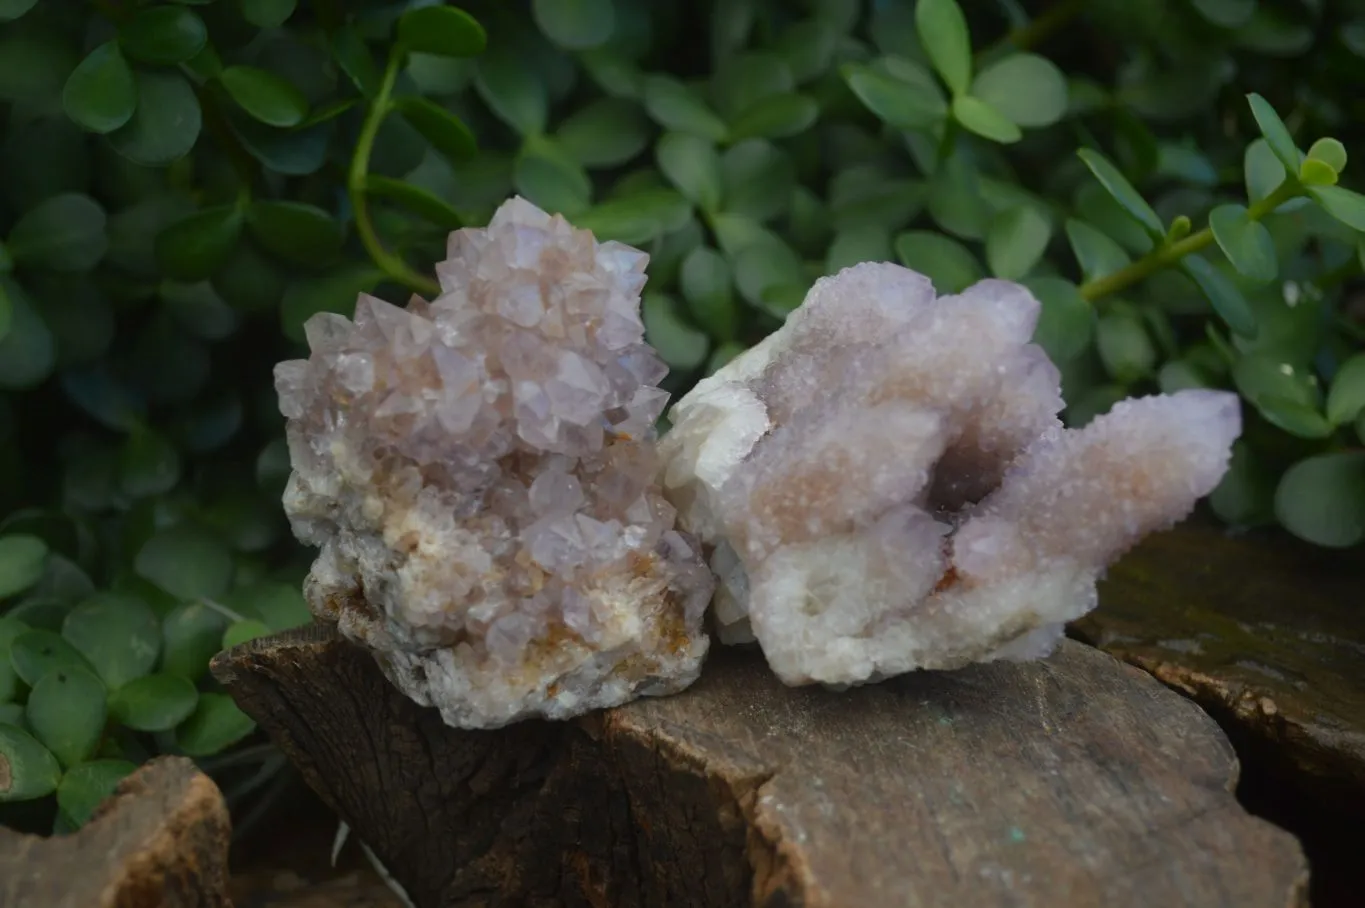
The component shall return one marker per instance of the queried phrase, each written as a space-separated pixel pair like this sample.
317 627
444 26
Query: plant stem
391 264
1165 256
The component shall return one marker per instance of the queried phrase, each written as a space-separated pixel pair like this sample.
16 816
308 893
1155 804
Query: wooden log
1074 781
160 841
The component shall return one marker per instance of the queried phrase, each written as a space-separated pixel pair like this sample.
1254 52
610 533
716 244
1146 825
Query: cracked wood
1075 781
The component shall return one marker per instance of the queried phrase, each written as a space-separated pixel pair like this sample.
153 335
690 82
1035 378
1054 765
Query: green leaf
1066 321
1313 172
11 10
1262 169
946 262
1016 241
63 233
118 634
264 95
902 104
763 265
979 117
165 125
186 562
1330 152
807 48
1227 300
154 703
196 247
66 712
677 108
28 770
22 561
200 311
1284 394
1245 242
1345 399
513 91
10 627
757 180
1124 347
446 132
355 59
1122 192
86 786
241 631
943 35
267 13
678 344
550 178
1226 13
638 218
280 605
775 117
163 35
575 24
1322 499
100 94
334 291
191 635
692 164
296 232
1096 253
27 351
854 245
1029 90
606 133
414 199
708 286
1275 132
1246 494
442 30
34 653
217 723
1346 206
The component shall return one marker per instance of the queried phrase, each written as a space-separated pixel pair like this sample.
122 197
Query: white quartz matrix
479 474
884 484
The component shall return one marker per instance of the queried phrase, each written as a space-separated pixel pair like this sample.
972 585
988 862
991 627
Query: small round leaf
1096 253
63 233
1125 348
1066 322
1016 241
1227 300
1028 89
34 653
979 117
154 703
186 562
692 164
164 35
679 344
100 94
28 770
446 132
165 125
118 633
216 725
196 247
1322 499
945 261
267 13
775 117
23 559
415 199
241 631
66 711
606 133
512 90
442 30
1275 132
1245 242
575 24
264 95
677 108
943 34
897 102
708 286
1346 399
191 635
1118 187
85 787
1346 206
296 231
1330 152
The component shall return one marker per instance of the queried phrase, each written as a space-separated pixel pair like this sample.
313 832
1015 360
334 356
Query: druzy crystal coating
884 484
479 475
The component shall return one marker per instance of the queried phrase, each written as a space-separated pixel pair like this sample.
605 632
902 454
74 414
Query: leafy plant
182 185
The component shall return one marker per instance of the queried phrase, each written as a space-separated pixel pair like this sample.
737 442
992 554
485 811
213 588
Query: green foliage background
183 184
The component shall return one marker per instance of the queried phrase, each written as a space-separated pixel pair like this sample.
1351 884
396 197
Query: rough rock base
1075 781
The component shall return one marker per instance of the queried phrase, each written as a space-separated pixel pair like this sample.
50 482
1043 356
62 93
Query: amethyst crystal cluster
882 485
479 474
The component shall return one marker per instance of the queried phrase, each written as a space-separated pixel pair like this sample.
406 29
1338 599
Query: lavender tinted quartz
884 484
479 476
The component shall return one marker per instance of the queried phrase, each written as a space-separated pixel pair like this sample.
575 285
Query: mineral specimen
884 484
480 476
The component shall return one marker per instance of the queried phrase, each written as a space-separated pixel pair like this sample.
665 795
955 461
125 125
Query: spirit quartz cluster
479 474
884 485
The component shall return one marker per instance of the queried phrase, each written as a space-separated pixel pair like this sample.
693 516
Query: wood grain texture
160 841
1075 781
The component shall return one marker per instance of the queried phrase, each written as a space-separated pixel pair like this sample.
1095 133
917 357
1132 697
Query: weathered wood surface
1076 781
160 841
1268 636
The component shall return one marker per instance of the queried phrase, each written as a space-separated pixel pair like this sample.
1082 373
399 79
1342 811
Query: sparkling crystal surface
479 474
884 483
